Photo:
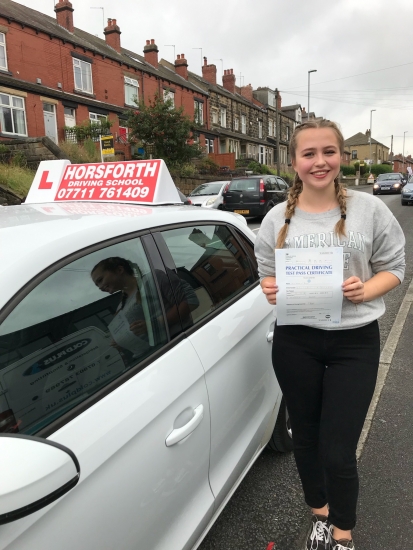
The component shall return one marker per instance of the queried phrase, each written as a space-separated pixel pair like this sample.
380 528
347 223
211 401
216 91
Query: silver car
208 194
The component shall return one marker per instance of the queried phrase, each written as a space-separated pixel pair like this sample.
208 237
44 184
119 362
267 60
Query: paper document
309 282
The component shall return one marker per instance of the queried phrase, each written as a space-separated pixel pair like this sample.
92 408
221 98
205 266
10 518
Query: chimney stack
112 35
279 101
209 72
150 52
64 15
181 66
246 91
228 80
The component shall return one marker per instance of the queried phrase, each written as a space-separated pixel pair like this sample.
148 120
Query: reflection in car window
212 262
79 329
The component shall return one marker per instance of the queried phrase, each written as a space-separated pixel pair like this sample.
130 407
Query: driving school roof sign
134 181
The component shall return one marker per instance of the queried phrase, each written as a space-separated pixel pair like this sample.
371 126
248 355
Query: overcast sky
361 49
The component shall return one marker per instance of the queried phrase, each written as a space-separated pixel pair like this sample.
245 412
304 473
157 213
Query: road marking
386 358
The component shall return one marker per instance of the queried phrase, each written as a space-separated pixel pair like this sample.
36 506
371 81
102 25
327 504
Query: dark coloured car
388 183
407 193
254 195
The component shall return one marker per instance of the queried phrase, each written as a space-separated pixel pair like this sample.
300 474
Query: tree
165 129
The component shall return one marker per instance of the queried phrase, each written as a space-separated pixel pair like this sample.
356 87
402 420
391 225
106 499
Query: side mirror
35 472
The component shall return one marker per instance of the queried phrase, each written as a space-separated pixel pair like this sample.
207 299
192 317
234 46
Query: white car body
206 200
134 491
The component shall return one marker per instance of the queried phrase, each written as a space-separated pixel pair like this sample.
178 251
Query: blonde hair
297 185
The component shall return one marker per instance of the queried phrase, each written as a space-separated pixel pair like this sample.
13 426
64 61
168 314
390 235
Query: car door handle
180 433
270 333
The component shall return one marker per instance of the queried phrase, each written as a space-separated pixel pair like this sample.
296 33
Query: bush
79 154
289 178
348 170
206 164
187 170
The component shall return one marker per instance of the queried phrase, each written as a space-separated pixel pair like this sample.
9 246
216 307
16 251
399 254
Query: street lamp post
404 136
308 104
371 122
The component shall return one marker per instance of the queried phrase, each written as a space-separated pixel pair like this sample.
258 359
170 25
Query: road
268 505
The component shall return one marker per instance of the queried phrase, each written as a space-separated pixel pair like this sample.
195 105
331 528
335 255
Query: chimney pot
150 52
112 35
181 66
209 72
64 15
228 80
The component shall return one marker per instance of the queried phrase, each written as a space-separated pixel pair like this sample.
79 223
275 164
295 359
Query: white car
208 194
136 385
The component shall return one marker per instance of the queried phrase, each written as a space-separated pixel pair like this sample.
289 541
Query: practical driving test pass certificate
309 282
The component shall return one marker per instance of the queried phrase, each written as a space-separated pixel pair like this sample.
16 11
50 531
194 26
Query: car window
388 177
79 329
281 184
244 185
207 189
271 184
209 259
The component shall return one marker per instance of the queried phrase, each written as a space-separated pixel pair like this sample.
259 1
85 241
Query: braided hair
297 185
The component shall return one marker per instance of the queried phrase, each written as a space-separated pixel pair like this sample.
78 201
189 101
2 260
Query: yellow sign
107 145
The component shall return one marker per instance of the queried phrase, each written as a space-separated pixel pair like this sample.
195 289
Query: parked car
135 372
254 195
388 183
407 193
208 194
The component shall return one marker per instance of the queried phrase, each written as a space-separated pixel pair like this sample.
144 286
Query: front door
50 127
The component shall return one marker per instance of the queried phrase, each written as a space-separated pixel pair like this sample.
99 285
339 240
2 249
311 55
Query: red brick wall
31 56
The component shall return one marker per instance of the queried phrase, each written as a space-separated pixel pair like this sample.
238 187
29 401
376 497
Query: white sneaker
319 537
342 544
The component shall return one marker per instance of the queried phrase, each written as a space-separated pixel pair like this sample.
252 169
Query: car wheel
281 438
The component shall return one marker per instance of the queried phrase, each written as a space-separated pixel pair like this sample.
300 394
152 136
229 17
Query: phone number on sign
103 193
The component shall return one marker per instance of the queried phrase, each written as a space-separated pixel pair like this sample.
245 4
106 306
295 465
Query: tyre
281 438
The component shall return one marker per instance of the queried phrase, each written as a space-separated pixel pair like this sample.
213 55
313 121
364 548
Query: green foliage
19 159
289 178
206 164
18 179
164 131
377 169
78 154
3 148
347 170
88 130
187 170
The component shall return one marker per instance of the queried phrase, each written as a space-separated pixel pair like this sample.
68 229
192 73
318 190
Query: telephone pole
277 132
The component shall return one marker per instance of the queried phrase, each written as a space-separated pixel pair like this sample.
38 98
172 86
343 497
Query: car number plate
385 188
241 211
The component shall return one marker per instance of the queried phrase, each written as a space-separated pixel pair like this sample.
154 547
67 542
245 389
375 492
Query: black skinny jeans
328 379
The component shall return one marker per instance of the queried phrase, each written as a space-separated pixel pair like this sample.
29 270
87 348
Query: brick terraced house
54 75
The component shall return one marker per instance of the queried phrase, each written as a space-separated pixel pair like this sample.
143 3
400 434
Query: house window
287 133
199 112
169 94
243 124
223 120
260 129
270 127
236 124
3 55
12 115
83 76
214 117
70 117
354 154
131 91
97 119
209 145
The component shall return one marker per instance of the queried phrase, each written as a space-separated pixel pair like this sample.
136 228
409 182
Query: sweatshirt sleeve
388 249
265 248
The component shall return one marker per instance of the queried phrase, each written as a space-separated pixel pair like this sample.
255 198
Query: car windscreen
244 185
408 188
387 177
207 189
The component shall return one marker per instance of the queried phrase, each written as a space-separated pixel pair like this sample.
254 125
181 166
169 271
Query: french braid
297 185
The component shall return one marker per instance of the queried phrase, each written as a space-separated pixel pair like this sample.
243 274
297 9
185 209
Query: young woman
328 376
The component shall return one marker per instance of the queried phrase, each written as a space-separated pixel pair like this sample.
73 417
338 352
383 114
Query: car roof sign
134 181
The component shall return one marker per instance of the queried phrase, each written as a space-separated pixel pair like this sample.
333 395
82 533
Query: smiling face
317 157
109 281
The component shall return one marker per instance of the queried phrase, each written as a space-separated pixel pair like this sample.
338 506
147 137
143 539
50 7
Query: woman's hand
270 289
353 290
138 328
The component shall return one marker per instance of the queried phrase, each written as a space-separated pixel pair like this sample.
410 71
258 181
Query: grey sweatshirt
374 242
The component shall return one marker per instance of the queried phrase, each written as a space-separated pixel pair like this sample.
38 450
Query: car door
231 322
132 406
283 186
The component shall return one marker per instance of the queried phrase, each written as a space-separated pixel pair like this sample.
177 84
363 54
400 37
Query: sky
361 50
